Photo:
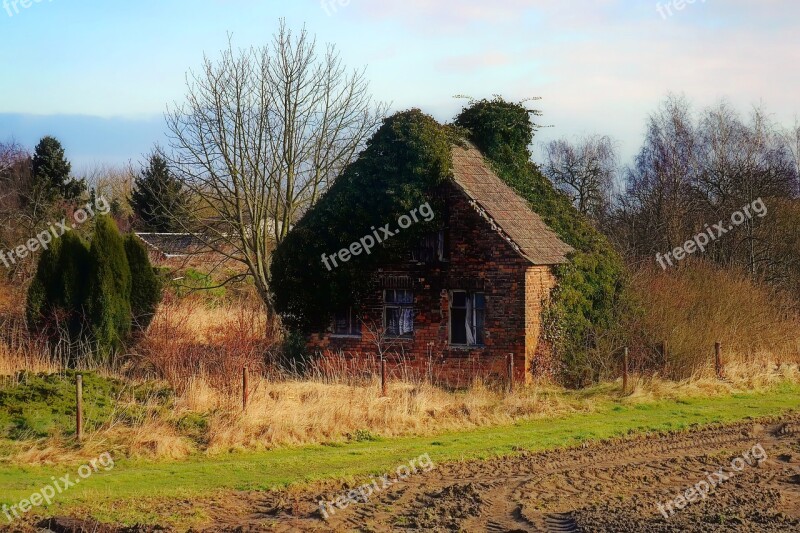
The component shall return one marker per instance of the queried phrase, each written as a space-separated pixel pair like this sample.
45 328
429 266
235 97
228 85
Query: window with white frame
398 312
467 318
346 323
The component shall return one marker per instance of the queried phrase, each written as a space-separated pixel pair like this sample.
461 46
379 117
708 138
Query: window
467 318
398 312
431 248
345 323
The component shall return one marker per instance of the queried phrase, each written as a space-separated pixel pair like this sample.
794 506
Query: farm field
550 474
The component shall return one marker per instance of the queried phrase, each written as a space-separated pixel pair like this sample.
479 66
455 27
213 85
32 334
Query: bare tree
584 170
738 162
262 134
696 170
19 210
792 139
657 208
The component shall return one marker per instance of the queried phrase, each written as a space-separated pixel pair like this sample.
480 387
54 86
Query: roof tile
536 241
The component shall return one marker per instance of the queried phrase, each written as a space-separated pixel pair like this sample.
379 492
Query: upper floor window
431 248
398 312
467 318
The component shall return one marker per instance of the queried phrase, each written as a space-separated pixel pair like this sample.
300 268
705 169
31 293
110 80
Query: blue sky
99 74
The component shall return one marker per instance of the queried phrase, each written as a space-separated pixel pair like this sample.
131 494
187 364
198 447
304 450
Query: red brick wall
480 260
539 282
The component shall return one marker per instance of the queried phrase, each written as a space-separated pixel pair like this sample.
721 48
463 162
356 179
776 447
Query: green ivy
402 167
587 301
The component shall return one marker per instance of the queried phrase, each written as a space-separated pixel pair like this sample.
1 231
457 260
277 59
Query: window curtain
406 321
468 322
404 314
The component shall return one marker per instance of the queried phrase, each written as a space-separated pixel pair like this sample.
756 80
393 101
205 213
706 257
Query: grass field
128 493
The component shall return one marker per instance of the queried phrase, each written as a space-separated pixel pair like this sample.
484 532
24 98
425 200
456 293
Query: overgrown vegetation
590 298
702 304
195 406
402 167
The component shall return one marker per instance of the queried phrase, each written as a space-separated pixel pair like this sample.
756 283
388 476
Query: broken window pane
467 318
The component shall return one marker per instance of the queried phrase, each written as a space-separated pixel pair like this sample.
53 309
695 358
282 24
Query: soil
613 486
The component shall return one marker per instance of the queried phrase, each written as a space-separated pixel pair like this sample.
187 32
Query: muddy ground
611 486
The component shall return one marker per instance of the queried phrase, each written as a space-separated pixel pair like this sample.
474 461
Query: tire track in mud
547 491
611 486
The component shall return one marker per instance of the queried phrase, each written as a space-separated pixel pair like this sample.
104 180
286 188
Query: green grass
118 494
44 405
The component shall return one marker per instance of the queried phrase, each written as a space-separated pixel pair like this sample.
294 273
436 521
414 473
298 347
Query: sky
99 74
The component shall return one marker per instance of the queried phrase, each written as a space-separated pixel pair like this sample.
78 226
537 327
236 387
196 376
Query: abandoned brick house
469 296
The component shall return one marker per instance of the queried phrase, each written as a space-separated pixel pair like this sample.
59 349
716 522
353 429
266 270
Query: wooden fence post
384 387
625 362
79 410
245 388
664 351
718 360
510 370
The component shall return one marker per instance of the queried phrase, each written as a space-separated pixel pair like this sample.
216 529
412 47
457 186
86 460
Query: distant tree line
693 170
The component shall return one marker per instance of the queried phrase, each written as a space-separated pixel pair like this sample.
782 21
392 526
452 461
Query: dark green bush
58 293
110 282
93 294
146 286
42 293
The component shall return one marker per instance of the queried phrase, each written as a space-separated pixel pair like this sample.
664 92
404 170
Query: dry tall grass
699 304
201 351
187 340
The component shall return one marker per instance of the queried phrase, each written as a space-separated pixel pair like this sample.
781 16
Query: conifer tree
51 173
93 293
58 294
158 199
110 287
145 284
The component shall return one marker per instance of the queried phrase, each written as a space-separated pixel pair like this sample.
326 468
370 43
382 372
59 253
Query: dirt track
613 486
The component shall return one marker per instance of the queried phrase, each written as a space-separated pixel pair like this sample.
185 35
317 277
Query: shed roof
172 244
